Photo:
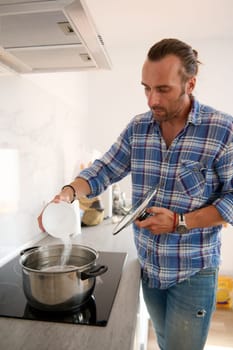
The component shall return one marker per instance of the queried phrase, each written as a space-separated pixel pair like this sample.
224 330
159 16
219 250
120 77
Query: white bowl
59 219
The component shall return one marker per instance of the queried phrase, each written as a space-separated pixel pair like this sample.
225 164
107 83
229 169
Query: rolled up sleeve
224 203
112 167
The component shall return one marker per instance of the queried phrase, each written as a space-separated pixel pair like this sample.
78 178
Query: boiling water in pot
64 259
64 262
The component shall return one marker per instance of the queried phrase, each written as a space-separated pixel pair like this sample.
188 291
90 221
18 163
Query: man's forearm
76 189
81 186
204 217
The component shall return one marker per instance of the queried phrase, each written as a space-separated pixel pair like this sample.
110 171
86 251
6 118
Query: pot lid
136 211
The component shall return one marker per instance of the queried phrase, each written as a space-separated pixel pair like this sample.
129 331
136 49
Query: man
184 149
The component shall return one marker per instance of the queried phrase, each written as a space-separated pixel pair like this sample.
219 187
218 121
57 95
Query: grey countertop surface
16 334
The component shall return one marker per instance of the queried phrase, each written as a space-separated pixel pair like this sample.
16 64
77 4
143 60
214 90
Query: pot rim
30 251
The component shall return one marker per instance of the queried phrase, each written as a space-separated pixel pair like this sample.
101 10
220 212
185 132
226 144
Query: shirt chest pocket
191 178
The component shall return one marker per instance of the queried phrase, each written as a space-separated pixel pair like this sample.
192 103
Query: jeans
181 314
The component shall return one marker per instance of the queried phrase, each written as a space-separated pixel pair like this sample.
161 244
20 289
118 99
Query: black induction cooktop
95 311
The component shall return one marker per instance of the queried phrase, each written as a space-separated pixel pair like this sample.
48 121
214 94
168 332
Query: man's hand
161 221
81 187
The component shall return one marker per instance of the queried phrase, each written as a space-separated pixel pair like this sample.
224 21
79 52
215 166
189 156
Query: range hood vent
49 36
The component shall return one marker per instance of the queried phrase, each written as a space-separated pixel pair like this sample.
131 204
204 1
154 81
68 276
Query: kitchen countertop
16 334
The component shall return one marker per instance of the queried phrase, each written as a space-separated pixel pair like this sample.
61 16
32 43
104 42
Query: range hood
49 36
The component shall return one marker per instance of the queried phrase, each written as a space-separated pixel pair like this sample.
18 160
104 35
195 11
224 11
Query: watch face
181 229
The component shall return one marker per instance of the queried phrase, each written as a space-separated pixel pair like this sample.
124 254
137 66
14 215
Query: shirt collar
194 116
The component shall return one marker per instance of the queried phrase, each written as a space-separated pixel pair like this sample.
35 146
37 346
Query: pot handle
95 271
28 250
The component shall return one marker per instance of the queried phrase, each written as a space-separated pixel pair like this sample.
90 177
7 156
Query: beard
162 114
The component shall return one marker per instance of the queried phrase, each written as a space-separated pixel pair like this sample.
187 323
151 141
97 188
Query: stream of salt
65 256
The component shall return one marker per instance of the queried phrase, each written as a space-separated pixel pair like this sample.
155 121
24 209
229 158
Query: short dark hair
187 55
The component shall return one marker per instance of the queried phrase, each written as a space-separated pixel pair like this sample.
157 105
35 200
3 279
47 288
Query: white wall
114 98
42 117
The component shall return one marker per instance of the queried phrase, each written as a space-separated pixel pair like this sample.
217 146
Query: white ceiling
126 23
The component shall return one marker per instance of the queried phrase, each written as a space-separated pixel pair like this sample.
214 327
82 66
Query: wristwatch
182 227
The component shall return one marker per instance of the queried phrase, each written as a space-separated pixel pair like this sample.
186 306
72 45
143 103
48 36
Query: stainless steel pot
49 286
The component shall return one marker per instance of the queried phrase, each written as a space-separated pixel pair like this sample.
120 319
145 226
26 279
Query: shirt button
149 252
162 182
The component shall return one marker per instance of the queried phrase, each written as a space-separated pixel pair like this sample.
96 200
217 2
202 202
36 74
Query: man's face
167 94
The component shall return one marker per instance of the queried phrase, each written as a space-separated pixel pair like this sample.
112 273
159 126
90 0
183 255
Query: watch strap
182 226
182 219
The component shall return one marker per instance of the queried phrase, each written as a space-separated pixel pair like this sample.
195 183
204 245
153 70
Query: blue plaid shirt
194 172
